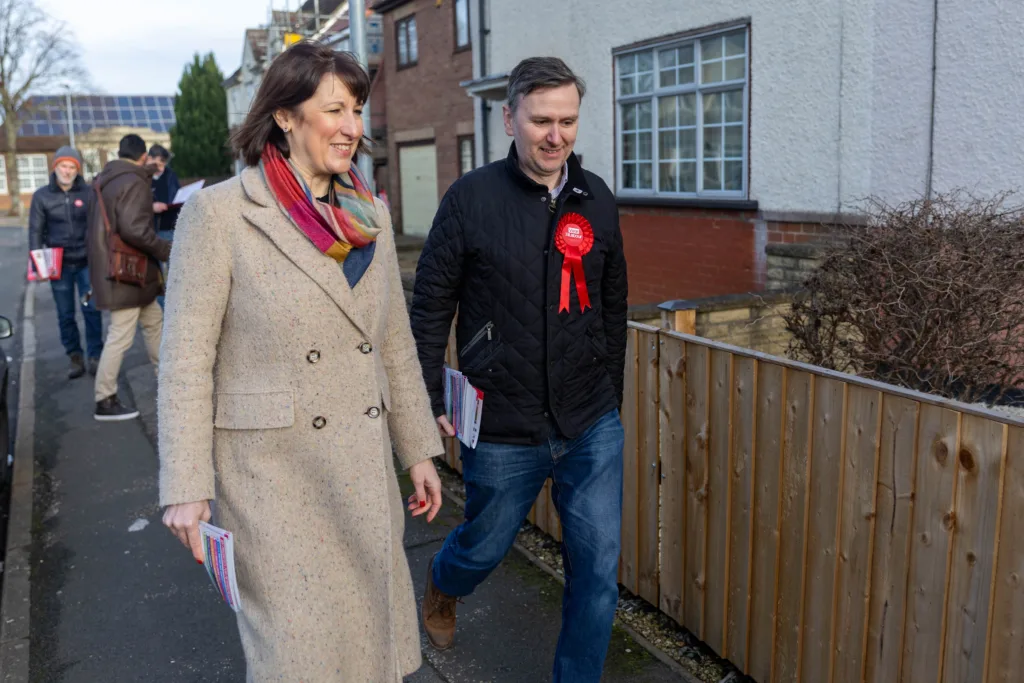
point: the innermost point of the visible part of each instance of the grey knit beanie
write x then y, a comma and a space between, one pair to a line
67, 153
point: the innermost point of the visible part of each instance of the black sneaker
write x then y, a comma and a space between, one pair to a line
94, 366
77, 368
111, 409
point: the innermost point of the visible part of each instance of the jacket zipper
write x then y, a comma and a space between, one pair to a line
67, 208
486, 331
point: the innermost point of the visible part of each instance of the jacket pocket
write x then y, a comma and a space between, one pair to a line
270, 410
482, 348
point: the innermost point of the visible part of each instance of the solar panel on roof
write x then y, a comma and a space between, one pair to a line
49, 114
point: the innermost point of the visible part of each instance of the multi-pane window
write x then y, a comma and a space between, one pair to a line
3, 175
466, 153
408, 51
682, 117
461, 24
33, 172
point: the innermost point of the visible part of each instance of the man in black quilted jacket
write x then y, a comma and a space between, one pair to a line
529, 252
59, 218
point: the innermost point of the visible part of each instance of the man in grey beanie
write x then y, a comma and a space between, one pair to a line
59, 218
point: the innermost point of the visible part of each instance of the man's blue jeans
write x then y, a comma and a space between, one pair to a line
502, 483
77, 276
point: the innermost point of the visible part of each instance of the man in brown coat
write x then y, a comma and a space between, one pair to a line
125, 184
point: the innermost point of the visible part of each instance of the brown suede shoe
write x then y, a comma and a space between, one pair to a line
438, 613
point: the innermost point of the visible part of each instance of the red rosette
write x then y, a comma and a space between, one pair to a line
574, 238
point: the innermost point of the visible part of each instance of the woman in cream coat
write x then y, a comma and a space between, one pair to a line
288, 371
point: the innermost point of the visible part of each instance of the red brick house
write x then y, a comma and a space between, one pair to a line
427, 53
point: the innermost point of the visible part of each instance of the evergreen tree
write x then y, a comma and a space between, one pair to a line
200, 135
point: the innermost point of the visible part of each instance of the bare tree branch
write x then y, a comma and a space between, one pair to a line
37, 54
928, 295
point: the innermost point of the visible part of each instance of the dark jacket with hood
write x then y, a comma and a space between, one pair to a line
60, 219
129, 202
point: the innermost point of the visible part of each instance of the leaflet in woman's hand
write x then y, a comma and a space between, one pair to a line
219, 560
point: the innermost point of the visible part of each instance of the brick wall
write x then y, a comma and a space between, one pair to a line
750, 321
789, 265
797, 233
686, 253
427, 95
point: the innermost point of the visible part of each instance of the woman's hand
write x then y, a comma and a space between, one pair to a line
183, 521
427, 498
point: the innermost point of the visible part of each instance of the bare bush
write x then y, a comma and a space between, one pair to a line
928, 296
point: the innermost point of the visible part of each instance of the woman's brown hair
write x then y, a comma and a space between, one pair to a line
293, 78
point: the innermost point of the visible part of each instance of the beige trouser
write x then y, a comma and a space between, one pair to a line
120, 336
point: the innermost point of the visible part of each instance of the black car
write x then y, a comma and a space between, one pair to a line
6, 330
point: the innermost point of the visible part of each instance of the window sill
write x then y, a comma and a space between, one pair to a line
403, 67
689, 203
464, 48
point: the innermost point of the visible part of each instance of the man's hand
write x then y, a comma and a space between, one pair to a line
445, 427
159, 207
183, 521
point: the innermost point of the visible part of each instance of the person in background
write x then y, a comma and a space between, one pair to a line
59, 218
165, 187
125, 187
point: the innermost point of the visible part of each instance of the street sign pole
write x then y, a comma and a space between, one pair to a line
357, 28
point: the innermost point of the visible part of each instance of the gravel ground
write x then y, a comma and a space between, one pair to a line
675, 641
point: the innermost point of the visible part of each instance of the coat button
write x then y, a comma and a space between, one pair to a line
313, 356
373, 412
366, 347
319, 422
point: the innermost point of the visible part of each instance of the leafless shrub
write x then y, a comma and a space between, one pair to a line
928, 296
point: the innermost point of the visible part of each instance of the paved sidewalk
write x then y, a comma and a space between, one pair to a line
110, 604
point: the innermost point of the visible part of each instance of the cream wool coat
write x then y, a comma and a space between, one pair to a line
281, 393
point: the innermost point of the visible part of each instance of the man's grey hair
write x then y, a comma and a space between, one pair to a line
537, 73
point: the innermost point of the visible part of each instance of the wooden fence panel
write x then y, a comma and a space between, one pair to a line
648, 476
629, 560
697, 406
814, 528
932, 523
789, 567
761, 602
979, 462
893, 537
821, 506
859, 478
741, 416
672, 434
1005, 660
718, 500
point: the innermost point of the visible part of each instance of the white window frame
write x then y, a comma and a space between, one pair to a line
696, 88
3, 174
469, 29
406, 27
23, 177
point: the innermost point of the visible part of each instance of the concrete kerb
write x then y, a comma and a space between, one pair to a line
651, 648
15, 606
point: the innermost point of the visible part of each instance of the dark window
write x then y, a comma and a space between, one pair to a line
467, 152
462, 40
408, 52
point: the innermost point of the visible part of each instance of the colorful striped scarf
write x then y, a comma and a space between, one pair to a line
344, 229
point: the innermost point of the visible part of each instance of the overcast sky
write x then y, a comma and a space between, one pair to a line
132, 47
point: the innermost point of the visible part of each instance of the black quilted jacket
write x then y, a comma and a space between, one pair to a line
490, 254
